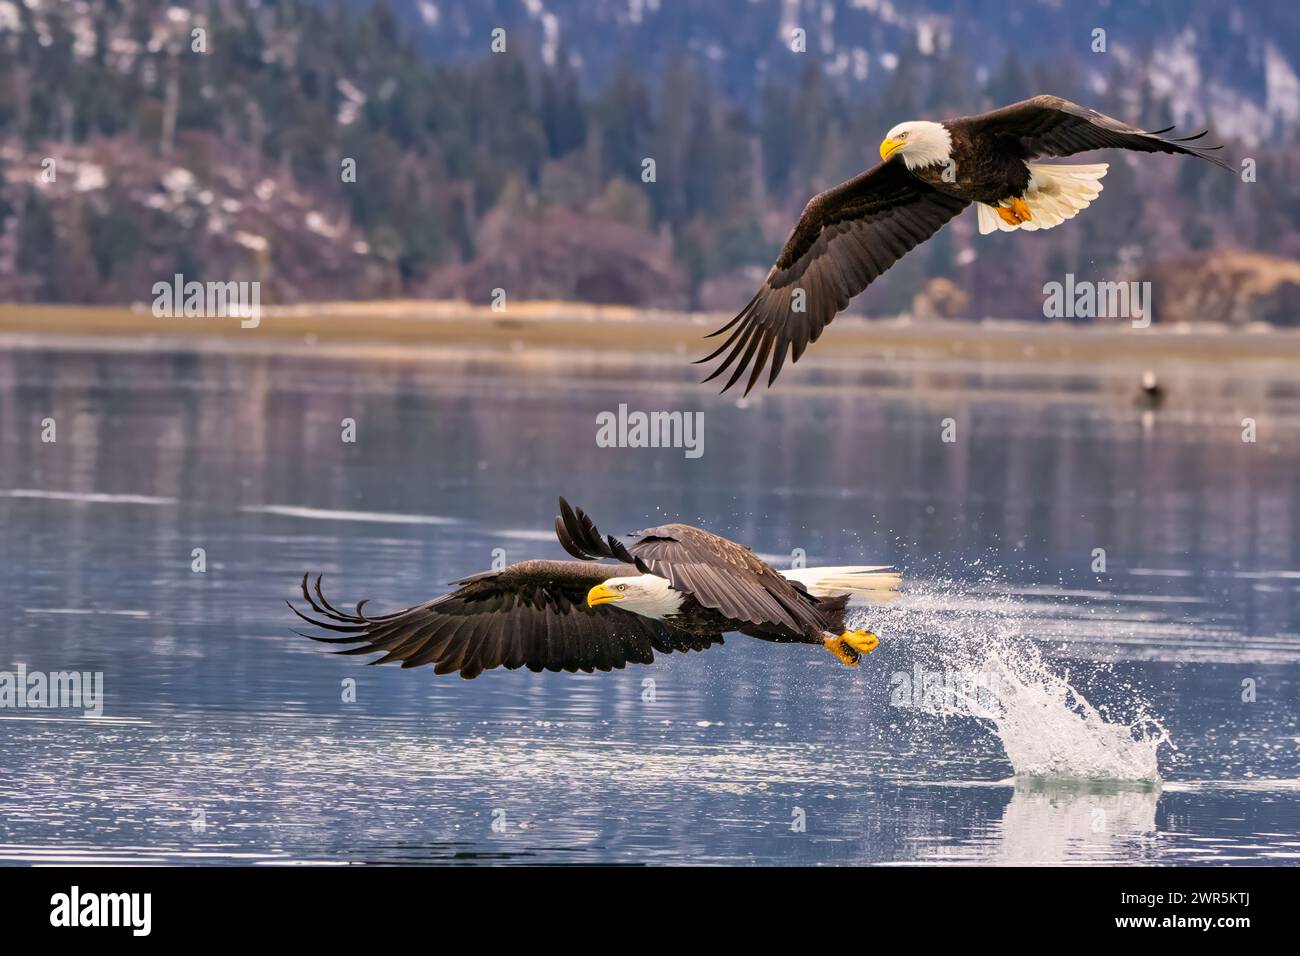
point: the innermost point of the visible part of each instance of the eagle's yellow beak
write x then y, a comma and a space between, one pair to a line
890, 146
602, 595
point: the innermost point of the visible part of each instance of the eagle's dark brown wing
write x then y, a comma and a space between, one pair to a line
846, 237
720, 574
1051, 126
533, 614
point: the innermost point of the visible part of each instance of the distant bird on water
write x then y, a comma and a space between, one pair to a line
1152, 393
929, 172
677, 588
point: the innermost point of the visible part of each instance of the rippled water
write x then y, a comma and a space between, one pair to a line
225, 737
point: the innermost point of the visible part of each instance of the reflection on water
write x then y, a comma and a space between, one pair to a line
225, 738
1046, 822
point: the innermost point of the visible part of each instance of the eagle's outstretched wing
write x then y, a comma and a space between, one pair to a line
1052, 126
846, 237
533, 614
720, 574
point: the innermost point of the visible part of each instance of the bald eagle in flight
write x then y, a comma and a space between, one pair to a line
929, 172
676, 588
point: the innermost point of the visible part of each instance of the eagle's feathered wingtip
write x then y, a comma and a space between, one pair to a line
578, 535
730, 341
739, 316
757, 347
571, 531
1198, 151
343, 623
754, 377
1215, 159
749, 386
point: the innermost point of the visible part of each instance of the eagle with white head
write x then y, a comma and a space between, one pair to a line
677, 588
929, 172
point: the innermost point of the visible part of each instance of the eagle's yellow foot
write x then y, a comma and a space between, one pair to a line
1016, 213
851, 645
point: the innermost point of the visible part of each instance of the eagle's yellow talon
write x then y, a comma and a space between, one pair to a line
1016, 213
864, 642
851, 645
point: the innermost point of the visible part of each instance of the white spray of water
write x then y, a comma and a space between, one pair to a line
972, 656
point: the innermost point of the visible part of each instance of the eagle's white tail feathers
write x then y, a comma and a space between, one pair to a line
1055, 194
874, 583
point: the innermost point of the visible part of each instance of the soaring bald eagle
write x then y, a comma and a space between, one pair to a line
677, 588
929, 172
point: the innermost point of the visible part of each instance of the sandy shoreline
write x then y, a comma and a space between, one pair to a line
412, 328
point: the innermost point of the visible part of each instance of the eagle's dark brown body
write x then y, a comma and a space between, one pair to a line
980, 171
695, 618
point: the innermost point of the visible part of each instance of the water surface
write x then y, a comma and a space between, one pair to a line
225, 738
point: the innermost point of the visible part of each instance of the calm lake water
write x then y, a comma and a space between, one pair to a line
1146, 714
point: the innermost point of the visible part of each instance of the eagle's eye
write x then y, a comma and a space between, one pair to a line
902, 135
622, 587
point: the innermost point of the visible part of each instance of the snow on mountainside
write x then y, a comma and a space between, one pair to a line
1220, 62
377, 149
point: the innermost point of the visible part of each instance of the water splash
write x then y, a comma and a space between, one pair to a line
972, 655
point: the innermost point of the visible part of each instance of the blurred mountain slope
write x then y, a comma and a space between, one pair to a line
651, 153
